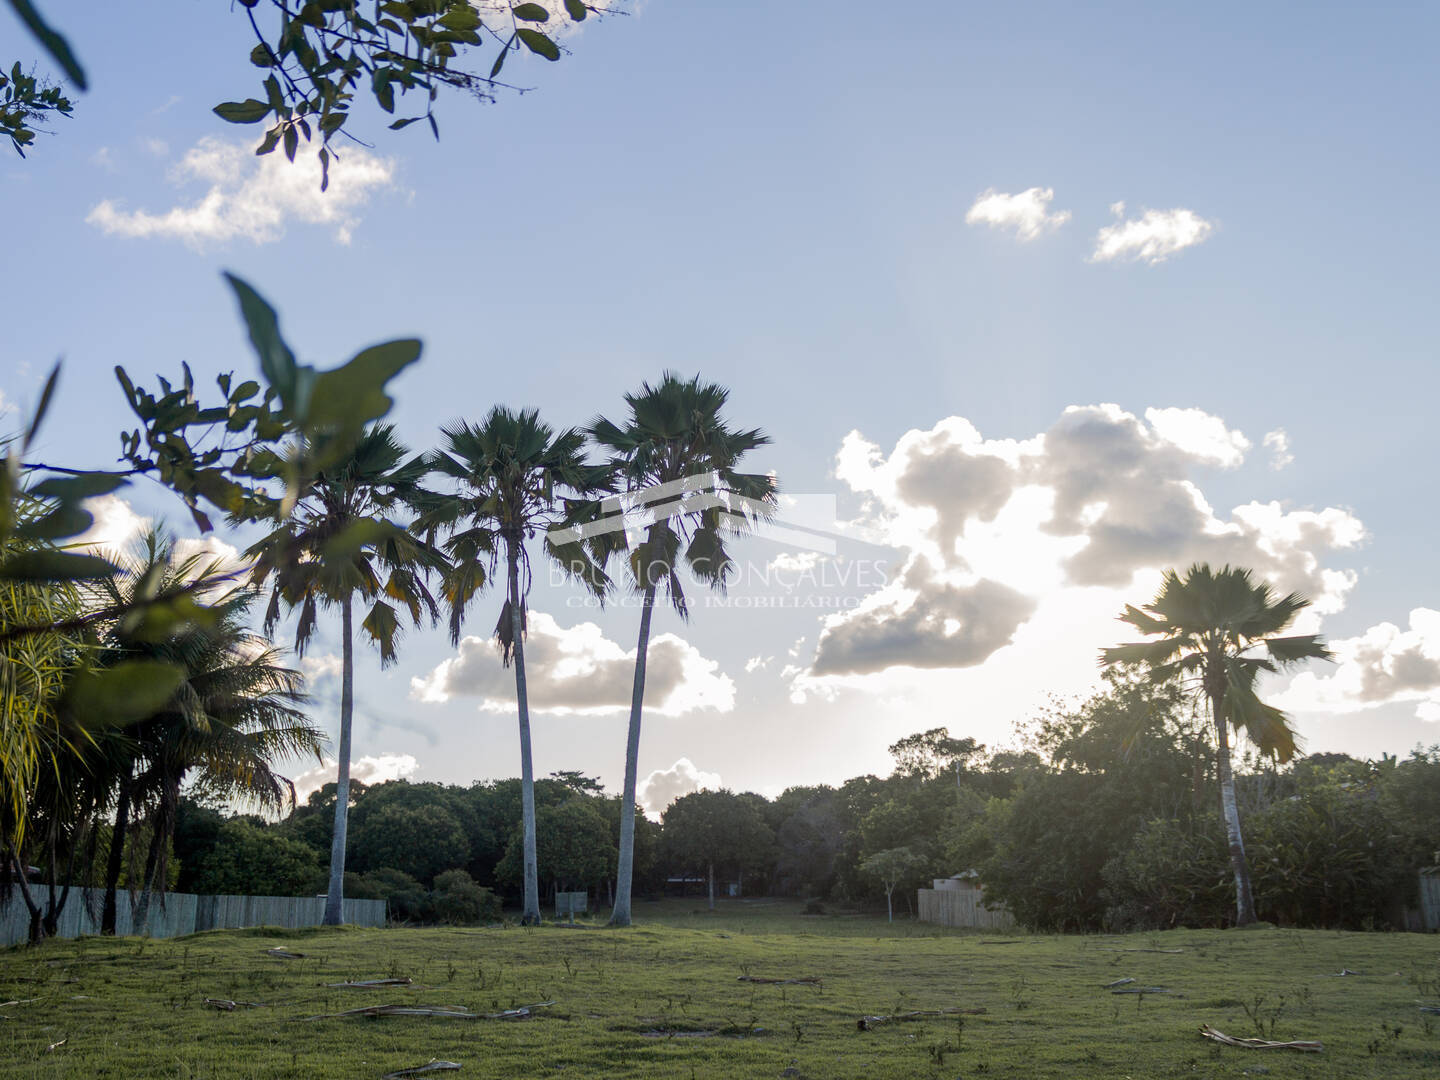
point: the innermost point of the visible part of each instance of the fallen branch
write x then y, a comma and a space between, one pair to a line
435, 1065
1430, 1008
366, 984
285, 954
1007, 941
1143, 990
452, 1012
1117, 982
870, 1023
809, 980
56, 1045
1343, 972
226, 1005
1306, 1046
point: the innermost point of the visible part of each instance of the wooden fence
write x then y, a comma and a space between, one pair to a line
175, 914
962, 907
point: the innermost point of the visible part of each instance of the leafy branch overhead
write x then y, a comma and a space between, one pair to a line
321, 55
26, 101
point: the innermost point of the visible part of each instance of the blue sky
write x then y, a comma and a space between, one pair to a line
777, 197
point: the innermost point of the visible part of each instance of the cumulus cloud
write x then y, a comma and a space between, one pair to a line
320, 666
370, 769
1383, 665
254, 198
663, 786
1066, 525
1278, 443
1153, 237
577, 670
1027, 212
937, 626
1202, 436
115, 528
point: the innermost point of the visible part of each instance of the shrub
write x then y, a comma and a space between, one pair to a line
458, 900
1174, 873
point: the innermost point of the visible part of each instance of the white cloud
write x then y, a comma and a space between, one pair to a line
102, 159
1028, 213
1010, 547
1383, 665
1153, 237
320, 666
253, 198
6, 405
1200, 435
157, 147
663, 786
577, 670
756, 663
370, 769
1278, 443
116, 527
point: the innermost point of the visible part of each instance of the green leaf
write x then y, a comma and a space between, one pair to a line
245, 391
261, 56
276, 360
55, 45
353, 394
292, 141
530, 13
50, 565
131, 690
43, 407
462, 18
64, 521
398, 124
75, 488
576, 10
248, 111
538, 43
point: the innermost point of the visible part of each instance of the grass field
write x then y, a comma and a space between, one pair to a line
664, 999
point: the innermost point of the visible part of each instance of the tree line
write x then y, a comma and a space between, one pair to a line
93, 651
1107, 818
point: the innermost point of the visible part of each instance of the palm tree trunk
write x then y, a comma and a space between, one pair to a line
335, 894
37, 928
620, 914
712, 886
117, 854
531, 913
890, 907
1244, 901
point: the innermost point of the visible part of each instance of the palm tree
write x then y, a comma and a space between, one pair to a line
235, 715
677, 458
514, 473
1211, 626
337, 545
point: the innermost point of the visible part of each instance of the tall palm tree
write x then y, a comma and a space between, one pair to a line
1216, 632
516, 477
676, 457
337, 545
233, 718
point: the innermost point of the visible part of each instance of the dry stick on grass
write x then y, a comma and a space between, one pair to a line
1304, 1045
1117, 982
366, 984
56, 1045
435, 1065
1143, 990
226, 1005
1430, 1008
809, 980
453, 1012
284, 954
870, 1023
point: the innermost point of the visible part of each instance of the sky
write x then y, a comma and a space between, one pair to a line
1034, 302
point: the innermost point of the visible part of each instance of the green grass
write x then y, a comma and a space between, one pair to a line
662, 1000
